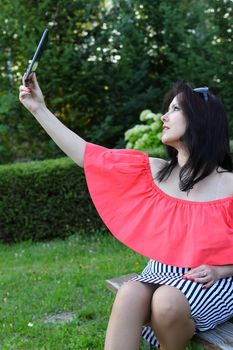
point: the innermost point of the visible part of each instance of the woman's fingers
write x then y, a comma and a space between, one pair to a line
208, 284
31, 95
34, 79
203, 274
24, 91
196, 273
31, 80
202, 279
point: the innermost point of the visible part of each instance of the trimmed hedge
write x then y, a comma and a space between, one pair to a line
43, 200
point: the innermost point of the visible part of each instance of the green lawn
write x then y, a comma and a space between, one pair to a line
43, 279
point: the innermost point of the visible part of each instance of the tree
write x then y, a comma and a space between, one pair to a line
106, 62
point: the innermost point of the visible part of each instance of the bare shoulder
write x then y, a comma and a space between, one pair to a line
230, 182
156, 164
227, 179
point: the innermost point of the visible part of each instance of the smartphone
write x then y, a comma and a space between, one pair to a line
34, 62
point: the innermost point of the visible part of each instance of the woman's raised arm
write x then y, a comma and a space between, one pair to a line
70, 143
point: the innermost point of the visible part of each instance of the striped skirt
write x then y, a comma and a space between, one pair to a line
209, 307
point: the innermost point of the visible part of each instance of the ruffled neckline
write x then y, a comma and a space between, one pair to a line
157, 189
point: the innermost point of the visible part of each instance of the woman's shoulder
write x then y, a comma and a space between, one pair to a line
227, 181
156, 164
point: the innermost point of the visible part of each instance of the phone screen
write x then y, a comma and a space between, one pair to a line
34, 62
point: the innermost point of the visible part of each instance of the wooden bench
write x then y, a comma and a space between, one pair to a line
220, 338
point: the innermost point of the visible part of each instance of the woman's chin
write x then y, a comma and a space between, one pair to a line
165, 140
168, 141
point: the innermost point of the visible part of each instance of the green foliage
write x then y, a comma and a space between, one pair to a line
106, 61
43, 200
231, 146
8, 127
147, 137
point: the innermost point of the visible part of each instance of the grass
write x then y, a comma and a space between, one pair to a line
43, 279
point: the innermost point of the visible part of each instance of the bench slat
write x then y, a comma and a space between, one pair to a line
220, 338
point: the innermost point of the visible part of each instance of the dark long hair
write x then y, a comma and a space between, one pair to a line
206, 137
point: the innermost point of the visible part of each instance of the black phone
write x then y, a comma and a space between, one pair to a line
34, 62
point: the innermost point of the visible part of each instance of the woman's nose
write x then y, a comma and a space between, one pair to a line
164, 117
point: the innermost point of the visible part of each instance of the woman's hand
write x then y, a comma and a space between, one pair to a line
30, 94
205, 274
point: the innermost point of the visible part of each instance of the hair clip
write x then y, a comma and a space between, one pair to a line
204, 91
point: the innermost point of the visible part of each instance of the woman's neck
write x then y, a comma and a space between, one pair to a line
182, 157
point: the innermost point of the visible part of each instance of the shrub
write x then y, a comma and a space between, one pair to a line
147, 137
43, 200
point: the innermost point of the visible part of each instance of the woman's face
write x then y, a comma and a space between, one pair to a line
174, 124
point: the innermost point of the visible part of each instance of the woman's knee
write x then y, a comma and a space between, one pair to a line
135, 296
169, 306
132, 291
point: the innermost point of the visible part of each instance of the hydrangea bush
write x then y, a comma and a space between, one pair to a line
147, 135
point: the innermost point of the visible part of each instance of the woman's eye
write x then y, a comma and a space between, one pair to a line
174, 108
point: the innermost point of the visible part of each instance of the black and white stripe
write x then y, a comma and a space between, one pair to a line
209, 307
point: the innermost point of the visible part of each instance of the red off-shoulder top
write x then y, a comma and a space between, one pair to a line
170, 230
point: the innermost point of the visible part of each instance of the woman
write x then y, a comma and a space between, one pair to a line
179, 213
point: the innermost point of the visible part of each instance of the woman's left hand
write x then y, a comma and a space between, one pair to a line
205, 274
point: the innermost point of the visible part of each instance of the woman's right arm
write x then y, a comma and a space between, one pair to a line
70, 143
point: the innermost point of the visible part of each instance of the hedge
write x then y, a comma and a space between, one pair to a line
43, 200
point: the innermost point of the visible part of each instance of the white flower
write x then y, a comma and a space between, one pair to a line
30, 324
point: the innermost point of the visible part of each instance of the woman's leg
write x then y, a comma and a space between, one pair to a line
171, 318
131, 310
